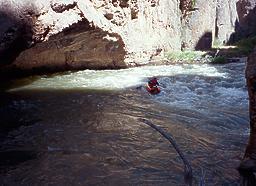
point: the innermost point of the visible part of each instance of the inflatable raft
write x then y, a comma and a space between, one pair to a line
153, 90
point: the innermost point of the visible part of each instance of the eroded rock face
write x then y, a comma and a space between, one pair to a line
146, 28
73, 49
198, 25
216, 22
246, 26
226, 21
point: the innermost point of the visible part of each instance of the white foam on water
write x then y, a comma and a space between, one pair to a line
118, 79
225, 90
197, 87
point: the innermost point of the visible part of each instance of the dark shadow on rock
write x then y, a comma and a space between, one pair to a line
205, 42
78, 47
245, 26
15, 36
247, 167
247, 178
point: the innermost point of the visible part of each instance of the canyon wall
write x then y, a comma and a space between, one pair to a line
132, 32
226, 20
246, 26
198, 25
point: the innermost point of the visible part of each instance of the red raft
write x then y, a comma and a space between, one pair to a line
153, 90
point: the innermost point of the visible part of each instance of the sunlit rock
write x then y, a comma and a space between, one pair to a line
226, 21
198, 24
147, 29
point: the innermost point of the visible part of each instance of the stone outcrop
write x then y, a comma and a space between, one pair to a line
146, 27
251, 84
247, 167
90, 49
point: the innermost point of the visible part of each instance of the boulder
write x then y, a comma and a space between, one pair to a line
74, 49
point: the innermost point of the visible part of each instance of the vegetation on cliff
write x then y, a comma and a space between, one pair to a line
246, 46
217, 54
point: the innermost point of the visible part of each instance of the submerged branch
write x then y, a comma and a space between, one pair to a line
188, 175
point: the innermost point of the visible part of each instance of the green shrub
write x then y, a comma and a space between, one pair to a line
219, 59
185, 56
245, 46
193, 3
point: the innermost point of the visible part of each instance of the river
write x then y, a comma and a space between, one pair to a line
84, 128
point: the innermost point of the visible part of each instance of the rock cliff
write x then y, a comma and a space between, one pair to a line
246, 26
226, 20
248, 165
198, 25
135, 31
93, 49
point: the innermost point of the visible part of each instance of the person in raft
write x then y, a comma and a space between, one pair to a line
152, 86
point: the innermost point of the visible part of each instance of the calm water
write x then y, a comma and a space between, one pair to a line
83, 128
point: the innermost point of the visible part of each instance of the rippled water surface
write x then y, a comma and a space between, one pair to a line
84, 128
